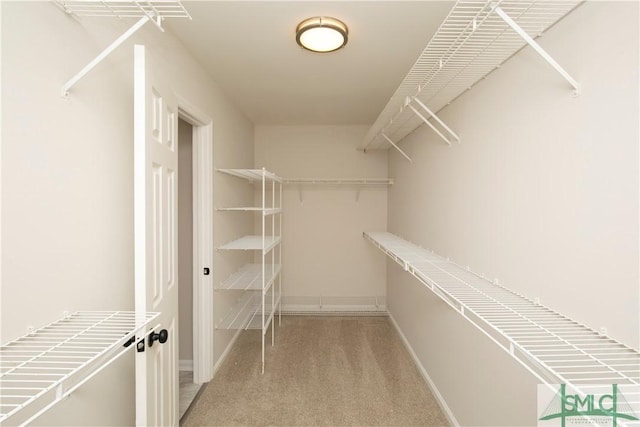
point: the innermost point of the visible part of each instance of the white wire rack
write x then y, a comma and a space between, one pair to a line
476, 38
126, 8
358, 183
553, 347
145, 10
252, 175
265, 212
40, 369
248, 312
257, 308
247, 243
249, 277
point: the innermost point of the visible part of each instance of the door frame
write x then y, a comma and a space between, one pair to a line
202, 161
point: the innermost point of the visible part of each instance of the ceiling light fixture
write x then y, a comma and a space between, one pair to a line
322, 34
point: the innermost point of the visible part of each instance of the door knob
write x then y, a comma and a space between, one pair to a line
162, 337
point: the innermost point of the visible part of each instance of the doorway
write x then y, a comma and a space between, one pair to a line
188, 388
195, 253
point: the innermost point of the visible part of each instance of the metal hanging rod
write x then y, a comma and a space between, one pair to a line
147, 11
473, 40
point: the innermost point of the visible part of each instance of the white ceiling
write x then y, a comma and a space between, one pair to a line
249, 49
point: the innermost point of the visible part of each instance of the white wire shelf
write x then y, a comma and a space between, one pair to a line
126, 8
339, 181
265, 211
249, 277
358, 183
553, 347
472, 41
269, 314
241, 313
248, 243
252, 175
247, 313
39, 369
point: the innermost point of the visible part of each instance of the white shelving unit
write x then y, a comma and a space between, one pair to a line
40, 369
475, 38
553, 347
261, 281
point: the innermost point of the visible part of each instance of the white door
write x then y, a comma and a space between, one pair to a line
156, 287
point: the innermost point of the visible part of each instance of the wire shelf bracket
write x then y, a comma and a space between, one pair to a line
154, 11
531, 42
394, 146
435, 117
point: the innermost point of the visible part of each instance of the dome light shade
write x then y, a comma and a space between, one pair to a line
322, 34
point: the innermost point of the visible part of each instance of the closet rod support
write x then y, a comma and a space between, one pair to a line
91, 65
396, 147
531, 42
424, 119
436, 118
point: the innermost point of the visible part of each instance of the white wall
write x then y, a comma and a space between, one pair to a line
542, 193
67, 180
324, 254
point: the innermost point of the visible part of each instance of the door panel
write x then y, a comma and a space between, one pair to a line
156, 287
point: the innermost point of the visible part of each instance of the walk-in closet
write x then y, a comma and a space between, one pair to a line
343, 213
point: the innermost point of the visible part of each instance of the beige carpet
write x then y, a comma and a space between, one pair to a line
323, 371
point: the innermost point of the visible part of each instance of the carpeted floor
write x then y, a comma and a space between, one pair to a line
323, 371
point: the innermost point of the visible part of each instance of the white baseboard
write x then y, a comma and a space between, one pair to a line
185, 365
327, 305
344, 310
443, 405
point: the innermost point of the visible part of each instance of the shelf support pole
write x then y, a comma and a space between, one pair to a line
531, 42
91, 65
396, 147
